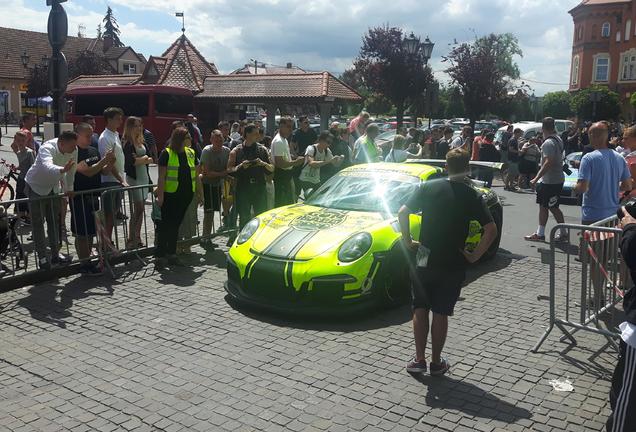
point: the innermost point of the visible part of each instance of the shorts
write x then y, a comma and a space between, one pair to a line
82, 217
211, 198
527, 167
548, 194
111, 202
513, 169
437, 289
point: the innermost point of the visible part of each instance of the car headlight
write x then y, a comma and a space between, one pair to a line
354, 247
248, 231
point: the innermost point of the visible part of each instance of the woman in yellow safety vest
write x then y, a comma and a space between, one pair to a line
177, 184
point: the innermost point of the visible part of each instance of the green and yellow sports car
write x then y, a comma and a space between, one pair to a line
340, 249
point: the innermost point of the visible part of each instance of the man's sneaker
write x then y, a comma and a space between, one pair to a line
161, 264
90, 270
175, 261
441, 368
44, 264
415, 366
535, 238
61, 259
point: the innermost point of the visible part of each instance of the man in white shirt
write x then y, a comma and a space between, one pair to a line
54, 165
317, 156
283, 164
114, 177
462, 140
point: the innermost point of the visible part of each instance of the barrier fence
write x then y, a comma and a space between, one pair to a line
79, 227
588, 284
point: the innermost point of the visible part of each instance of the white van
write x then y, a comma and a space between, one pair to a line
530, 129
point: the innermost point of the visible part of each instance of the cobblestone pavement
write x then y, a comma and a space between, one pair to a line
153, 352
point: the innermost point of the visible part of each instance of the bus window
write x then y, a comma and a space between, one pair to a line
95, 104
173, 103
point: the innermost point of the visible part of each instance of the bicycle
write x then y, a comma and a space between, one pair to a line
7, 191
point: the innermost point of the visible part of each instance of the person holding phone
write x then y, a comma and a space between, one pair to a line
250, 162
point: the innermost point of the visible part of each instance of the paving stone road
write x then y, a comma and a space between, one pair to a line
153, 352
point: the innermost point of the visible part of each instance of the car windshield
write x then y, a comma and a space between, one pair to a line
574, 157
365, 191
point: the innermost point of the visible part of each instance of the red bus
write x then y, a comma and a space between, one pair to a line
157, 105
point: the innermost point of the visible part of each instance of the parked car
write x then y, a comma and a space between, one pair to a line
530, 130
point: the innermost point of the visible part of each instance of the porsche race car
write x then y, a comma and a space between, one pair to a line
340, 249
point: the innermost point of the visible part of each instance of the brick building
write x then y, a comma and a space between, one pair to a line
604, 48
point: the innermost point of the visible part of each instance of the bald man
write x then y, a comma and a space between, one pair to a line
602, 174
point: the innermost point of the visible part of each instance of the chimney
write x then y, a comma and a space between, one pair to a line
107, 43
289, 65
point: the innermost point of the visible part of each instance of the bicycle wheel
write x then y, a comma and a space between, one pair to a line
7, 193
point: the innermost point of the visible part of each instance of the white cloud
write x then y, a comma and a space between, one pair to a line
322, 34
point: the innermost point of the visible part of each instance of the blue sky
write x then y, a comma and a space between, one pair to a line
321, 34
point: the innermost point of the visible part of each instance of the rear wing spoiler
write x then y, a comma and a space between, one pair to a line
498, 166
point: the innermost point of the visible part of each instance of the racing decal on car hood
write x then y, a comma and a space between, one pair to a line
303, 232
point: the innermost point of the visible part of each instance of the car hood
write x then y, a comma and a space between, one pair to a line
571, 179
302, 232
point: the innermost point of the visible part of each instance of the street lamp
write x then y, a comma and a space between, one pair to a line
533, 103
24, 58
595, 97
412, 46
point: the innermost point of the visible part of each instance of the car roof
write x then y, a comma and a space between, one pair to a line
420, 171
524, 126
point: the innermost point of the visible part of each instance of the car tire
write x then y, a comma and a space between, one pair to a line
497, 216
393, 283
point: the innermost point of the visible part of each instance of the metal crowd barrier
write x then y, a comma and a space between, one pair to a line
589, 283
19, 263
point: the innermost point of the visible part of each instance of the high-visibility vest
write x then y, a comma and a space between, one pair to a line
172, 175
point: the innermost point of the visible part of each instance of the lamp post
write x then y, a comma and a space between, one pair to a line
595, 97
414, 47
533, 103
24, 58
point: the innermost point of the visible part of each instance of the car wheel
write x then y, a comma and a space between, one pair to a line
393, 283
497, 216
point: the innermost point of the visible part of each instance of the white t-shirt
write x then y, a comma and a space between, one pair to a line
110, 140
311, 174
397, 155
280, 147
456, 143
44, 176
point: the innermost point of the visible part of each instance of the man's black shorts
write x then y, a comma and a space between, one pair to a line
437, 289
548, 194
211, 198
82, 218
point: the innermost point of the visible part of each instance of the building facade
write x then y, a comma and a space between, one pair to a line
604, 48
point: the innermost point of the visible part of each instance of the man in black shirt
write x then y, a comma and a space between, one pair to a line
512, 174
338, 147
250, 162
447, 208
303, 137
443, 145
87, 177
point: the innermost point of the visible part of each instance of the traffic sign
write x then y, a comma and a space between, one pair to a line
58, 73
57, 26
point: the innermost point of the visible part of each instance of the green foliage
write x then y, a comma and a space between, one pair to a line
88, 63
557, 105
484, 71
111, 28
384, 68
607, 108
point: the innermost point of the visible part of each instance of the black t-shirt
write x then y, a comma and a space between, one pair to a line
441, 149
253, 174
513, 150
185, 181
90, 155
304, 139
447, 208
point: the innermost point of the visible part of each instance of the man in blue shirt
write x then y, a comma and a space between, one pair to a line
602, 174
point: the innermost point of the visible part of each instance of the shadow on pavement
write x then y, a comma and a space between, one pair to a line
450, 393
503, 259
374, 318
43, 305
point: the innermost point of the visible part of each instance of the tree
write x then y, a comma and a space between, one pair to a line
99, 32
386, 69
484, 71
557, 105
38, 82
111, 28
88, 63
607, 108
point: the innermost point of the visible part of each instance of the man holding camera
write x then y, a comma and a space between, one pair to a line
623, 390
